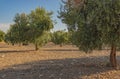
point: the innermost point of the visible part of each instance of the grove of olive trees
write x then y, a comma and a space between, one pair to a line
28, 28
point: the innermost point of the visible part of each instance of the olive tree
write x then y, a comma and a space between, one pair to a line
95, 23
39, 21
17, 31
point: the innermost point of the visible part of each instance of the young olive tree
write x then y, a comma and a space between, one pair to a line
40, 22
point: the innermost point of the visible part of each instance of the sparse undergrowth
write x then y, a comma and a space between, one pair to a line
54, 62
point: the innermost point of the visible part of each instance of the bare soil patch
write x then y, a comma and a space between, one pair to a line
54, 62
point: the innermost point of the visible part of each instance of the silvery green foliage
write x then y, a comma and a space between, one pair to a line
60, 37
94, 23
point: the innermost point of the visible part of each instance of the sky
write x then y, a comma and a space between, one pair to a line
9, 8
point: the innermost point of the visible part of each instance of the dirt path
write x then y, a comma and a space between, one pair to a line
54, 62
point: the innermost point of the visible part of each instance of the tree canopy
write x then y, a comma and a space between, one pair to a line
94, 22
40, 21
17, 31
60, 37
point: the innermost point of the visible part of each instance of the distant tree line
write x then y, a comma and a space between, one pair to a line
34, 28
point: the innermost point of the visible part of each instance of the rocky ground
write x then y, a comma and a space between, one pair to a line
54, 62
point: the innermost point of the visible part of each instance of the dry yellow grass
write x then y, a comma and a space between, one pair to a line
54, 62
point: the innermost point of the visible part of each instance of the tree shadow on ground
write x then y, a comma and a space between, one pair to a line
71, 68
61, 49
15, 51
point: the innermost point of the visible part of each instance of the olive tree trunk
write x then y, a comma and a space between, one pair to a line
36, 46
113, 60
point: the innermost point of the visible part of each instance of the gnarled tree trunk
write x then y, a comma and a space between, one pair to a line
113, 60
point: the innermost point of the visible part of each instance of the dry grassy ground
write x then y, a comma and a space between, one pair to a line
54, 62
